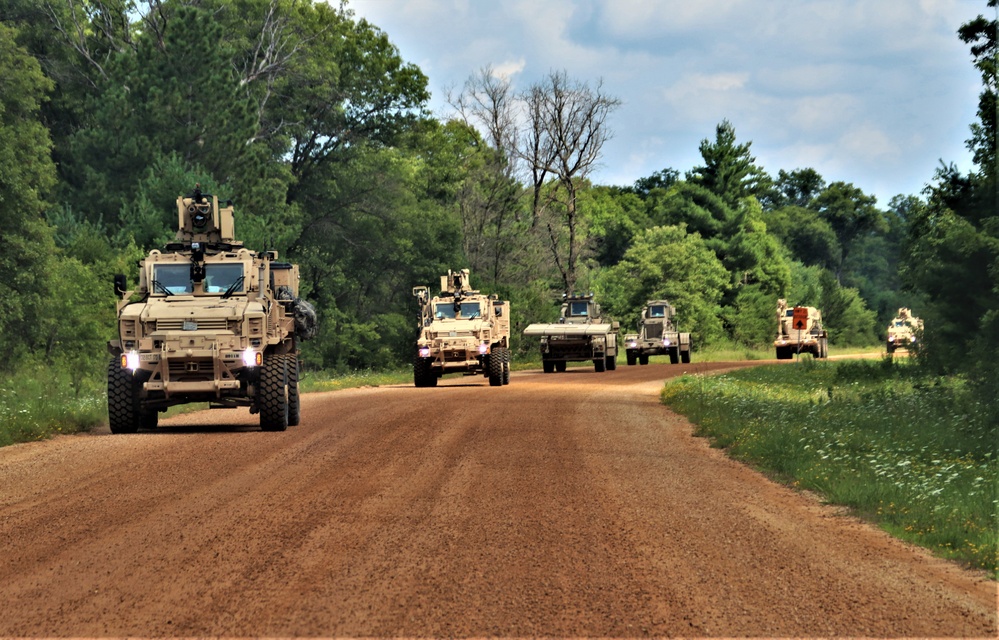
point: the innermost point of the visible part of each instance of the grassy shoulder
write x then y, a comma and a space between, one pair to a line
910, 452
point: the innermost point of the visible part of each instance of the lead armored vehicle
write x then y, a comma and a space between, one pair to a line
799, 330
209, 321
581, 334
657, 336
461, 330
903, 331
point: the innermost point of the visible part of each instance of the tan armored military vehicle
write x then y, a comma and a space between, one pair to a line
903, 331
657, 336
581, 334
210, 321
461, 330
799, 330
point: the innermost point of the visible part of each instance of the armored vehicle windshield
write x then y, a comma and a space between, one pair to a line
579, 308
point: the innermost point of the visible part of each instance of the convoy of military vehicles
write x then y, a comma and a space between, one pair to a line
210, 321
213, 321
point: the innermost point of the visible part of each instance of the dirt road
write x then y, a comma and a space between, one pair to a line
561, 505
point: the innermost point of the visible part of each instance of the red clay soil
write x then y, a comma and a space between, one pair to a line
568, 504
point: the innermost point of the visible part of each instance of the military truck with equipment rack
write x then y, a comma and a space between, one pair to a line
799, 330
581, 334
657, 336
461, 330
210, 321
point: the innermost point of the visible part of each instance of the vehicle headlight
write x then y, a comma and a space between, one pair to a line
130, 360
665, 342
483, 348
424, 352
912, 338
252, 358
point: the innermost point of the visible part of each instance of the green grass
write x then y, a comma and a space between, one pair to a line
911, 452
39, 403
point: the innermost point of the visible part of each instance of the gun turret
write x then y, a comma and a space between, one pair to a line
456, 283
201, 220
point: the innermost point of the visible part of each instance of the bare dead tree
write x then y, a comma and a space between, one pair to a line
488, 203
487, 102
565, 133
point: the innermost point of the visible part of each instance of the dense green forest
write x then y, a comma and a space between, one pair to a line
316, 128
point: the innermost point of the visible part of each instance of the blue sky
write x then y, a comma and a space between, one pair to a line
873, 92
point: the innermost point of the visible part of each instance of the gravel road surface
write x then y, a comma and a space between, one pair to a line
568, 504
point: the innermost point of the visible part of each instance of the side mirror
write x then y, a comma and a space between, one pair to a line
120, 285
615, 325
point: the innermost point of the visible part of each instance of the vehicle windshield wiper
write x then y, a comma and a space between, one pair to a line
233, 287
159, 286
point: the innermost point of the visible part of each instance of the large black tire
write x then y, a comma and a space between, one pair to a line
632, 358
784, 353
643, 359
507, 358
599, 365
423, 374
123, 399
495, 367
611, 363
548, 366
561, 366
273, 391
674, 355
685, 357
294, 398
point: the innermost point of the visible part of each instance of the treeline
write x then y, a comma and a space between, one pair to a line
312, 123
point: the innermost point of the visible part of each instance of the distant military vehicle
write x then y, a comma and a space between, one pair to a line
657, 336
581, 334
461, 330
904, 331
210, 321
799, 330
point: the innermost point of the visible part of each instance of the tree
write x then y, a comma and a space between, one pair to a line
567, 131
27, 174
795, 188
807, 236
667, 262
952, 248
489, 200
729, 171
851, 213
980, 33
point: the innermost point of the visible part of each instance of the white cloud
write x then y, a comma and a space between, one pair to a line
508, 69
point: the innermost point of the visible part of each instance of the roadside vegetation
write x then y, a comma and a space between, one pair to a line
40, 403
913, 452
